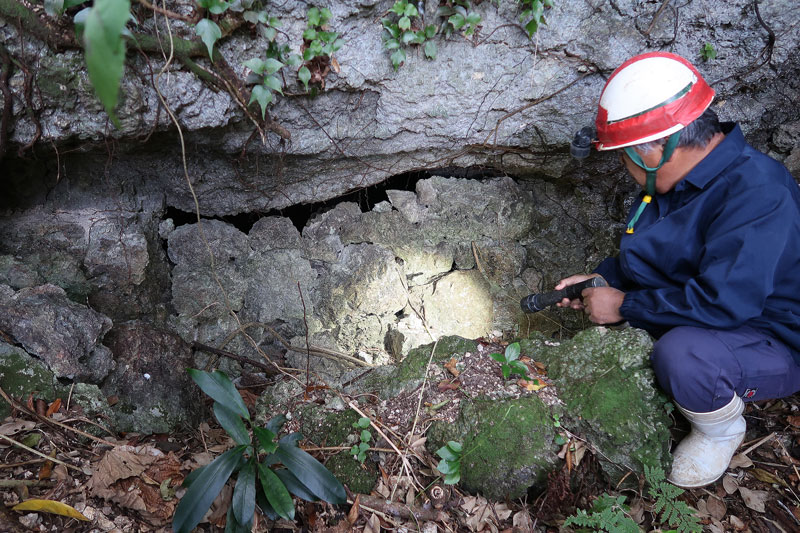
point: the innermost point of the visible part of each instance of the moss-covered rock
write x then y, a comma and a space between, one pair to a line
508, 445
359, 478
604, 378
22, 374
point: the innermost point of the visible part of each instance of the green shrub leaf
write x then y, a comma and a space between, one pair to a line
454, 446
263, 96
276, 493
404, 23
204, 489
304, 75
232, 423
273, 83
256, 65
105, 50
512, 352
210, 33
453, 478
217, 385
294, 486
447, 454
244, 493
311, 473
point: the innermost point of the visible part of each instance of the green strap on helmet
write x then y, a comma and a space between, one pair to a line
650, 184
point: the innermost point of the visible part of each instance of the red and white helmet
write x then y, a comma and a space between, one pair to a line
648, 97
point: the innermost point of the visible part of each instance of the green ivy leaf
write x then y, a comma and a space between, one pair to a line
398, 57
217, 385
244, 493
210, 33
231, 423
453, 478
366, 436
391, 44
399, 8
313, 17
430, 50
454, 446
294, 60
252, 17
273, 83
457, 21
216, 7
445, 467
310, 34
105, 50
269, 33
311, 473
271, 66
256, 65
304, 75
263, 96
474, 19
404, 23
411, 11
409, 37
447, 454
430, 31
204, 489
276, 493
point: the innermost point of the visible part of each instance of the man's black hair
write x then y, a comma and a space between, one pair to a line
696, 135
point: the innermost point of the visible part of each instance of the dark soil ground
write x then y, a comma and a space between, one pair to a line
131, 483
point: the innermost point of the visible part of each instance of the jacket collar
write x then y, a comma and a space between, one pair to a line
718, 160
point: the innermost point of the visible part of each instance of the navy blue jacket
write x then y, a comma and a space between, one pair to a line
721, 250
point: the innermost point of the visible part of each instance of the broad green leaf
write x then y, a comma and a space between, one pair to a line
276, 493
210, 33
337, 44
411, 10
447, 454
445, 467
532, 26
273, 83
362, 423
233, 526
366, 436
409, 37
404, 23
304, 75
49, 506
232, 423
263, 96
264, 505
243, 501
204, 489
362, 447
512, 351
313, 17
458, 20
271, 66
310, 34
54, 8
474, 19
105, 50
217, 7
217, 385
391, 44
275, 22
253, 17
72, 3
452, 479
291, 439
256, 65
398, 57
324, 15
399, 7
308, 54
294, 486
506, 370
311, 473
193, 475
266, 439
500, 358
294, 60
454, 446
392, 28
269, 33
430, 31
445, 11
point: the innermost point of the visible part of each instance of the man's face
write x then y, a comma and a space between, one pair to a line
650, 159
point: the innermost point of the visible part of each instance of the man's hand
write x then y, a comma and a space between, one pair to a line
576, 304
602, 304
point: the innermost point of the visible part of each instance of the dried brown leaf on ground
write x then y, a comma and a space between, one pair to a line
131, 476
451, 367
373, 525
716, 507
740, 461
10, 429
754, 499
522, 522
482, 515
730, 484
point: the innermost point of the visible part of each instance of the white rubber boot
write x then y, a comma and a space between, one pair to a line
704, 455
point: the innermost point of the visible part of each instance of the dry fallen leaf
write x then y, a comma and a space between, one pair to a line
754, 499
531, 385
736, 523
716, 507
730, 484
762, 475
451, 367
448, 385
373, 524
335, 65
352, 515
12, 428
55, 406
740, 461
522, 522
794, 420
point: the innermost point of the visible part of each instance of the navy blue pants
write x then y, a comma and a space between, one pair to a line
702, 368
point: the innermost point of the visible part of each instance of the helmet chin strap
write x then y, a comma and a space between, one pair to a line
650, 183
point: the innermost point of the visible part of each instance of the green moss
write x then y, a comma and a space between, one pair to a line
508, 445
326, 428
415, 363
358, 478
22, 374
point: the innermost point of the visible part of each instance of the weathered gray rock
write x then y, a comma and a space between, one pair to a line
65, 335
22, 374
155, 393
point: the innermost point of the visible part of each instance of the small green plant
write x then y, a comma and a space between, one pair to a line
450, 465
402, 28
669, 509
206, 28
607, 514
259, 480
708, 52
533, 14
559, 439
319, 44
510, 363
359, 451
459, 16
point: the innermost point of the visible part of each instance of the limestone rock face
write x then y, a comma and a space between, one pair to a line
65, 335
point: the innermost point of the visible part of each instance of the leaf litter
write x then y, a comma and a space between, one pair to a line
133, 483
